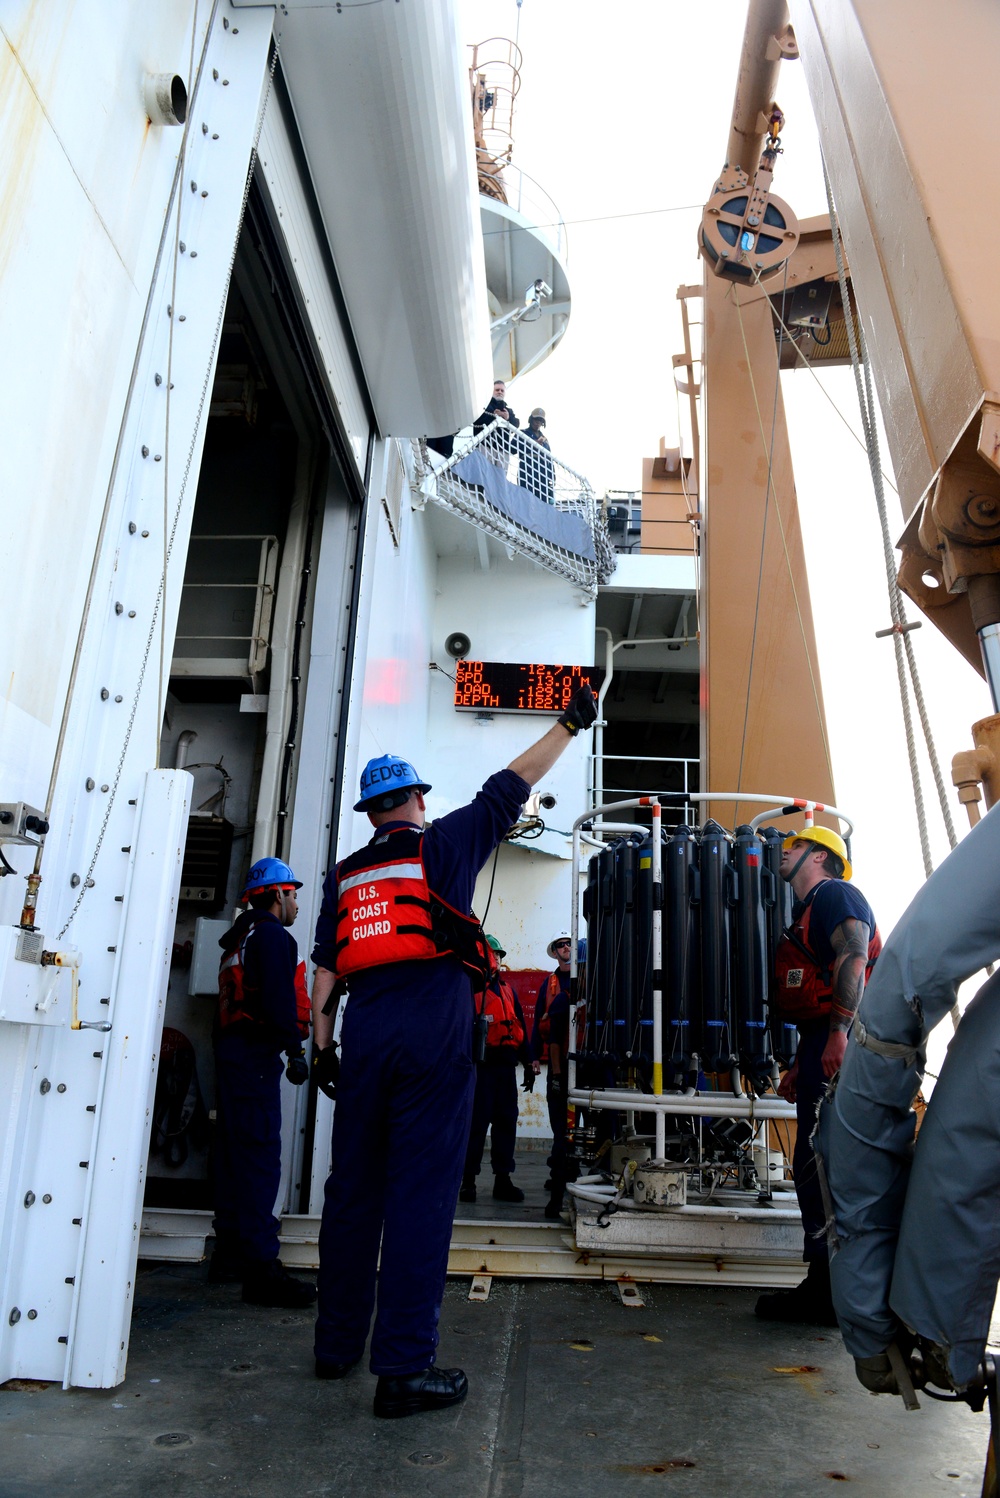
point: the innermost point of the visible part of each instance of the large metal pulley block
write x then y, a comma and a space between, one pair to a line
746, 234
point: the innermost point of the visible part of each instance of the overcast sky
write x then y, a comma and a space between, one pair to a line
623, 117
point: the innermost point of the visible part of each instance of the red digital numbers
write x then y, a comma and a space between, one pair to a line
505, 687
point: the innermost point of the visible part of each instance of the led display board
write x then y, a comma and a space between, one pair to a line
505, 687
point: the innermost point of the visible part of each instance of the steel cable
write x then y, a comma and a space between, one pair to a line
906, 665
895, 607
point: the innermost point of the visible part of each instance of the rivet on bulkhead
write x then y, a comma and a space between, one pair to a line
132, 527
105, 694
157, 379
119, 608
145, 451
89, 784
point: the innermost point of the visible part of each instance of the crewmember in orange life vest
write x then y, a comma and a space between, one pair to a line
551, 1028
553, 992
263, 1010
494, 1106
821, 968
396, 924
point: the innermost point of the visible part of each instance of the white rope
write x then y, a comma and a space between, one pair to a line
911, 659
903, 647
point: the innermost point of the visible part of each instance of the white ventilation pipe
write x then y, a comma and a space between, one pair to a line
184, 742
165, 98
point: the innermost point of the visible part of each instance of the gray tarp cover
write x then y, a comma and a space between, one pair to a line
944, 1281
950, 931
570, 532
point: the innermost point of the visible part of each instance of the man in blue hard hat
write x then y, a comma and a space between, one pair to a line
263, 1010
396, 927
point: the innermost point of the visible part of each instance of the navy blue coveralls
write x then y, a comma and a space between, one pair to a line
248, 1071
494, 1106
401, 1121
554, 1005
835, 901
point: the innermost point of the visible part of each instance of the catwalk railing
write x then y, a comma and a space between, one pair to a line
514, 488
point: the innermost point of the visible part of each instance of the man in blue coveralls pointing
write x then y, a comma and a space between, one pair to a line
395, 926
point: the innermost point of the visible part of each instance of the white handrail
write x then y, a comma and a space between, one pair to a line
531, 472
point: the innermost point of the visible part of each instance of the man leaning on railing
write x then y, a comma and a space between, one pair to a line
535, 471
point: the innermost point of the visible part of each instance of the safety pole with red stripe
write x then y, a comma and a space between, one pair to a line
656, 869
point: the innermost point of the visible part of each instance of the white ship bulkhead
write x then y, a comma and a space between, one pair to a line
225, 595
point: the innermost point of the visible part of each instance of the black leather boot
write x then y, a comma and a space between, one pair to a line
810, 1303
504, 1189
430, 1389
271, 1285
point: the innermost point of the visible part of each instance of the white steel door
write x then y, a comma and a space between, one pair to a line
75, 1103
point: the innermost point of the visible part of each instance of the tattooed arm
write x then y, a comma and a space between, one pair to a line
850, 948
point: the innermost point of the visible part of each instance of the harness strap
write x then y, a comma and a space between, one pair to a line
825, 973
904, 1382
892, 1050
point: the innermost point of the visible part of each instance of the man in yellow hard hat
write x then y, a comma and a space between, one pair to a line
821, 967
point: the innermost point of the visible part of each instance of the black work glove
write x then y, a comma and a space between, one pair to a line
326, 1070
581, 712
528, 1085
297, 1070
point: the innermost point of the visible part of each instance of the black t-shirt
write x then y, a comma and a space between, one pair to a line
834, 902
